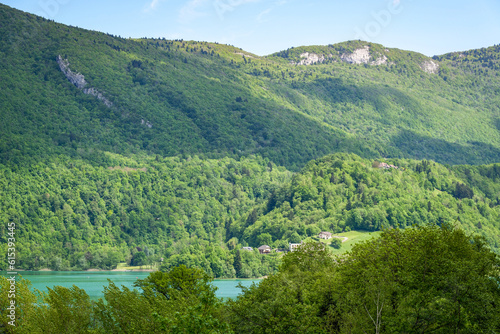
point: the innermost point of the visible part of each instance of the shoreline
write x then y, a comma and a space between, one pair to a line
94, 270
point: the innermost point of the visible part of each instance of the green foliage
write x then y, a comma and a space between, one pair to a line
344, 192
288, 301
25, 309
63, 310
423, 279
180, 301
138, 259
83, 217
87, 182
172, 97
336, 243
237, 264
187, 301
179, 284
178, 209
118, 312
426, 279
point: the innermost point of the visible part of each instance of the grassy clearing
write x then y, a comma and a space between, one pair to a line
123, 266
354, 237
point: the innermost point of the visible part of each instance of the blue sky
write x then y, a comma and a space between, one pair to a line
266, 26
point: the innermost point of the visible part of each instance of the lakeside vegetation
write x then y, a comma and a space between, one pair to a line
426, 279
195, 149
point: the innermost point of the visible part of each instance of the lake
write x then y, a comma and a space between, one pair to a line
92, 282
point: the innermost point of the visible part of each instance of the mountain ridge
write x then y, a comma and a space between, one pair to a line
206, 98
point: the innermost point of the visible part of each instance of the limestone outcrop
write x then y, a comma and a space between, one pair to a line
310, 58
430, 66
78, 80
362, 56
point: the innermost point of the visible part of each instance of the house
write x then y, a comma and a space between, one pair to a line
264, 249
386, 166
294, 246
325, 235
247, 248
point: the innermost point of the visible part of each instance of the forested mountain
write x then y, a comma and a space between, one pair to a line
171, 97
115, 149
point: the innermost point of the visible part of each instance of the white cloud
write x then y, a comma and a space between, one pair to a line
396, 2
223, 6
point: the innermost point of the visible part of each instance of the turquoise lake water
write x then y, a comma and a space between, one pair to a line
93, 282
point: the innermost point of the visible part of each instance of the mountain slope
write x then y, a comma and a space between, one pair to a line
168, 98
173, 97
198, 212
343, 192
116, 149
413, 105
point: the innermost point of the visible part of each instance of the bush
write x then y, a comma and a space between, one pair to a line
336, 243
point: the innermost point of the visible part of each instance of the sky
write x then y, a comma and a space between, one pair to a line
263, 27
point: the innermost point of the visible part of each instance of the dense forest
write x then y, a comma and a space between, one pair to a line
427, 279
197, 212
173, 152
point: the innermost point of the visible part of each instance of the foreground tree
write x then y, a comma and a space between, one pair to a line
289, 301
25, 310
428, 279
181, 300
62, 310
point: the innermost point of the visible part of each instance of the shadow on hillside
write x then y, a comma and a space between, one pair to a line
416, 146
497, 124
381, 97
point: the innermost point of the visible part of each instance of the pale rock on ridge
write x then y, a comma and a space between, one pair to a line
78, 80
362, 56
430, 67
310, 58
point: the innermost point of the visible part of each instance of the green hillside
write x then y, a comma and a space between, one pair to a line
344, 192
172, 97
199, 212
168, 98
137, 150
71, 215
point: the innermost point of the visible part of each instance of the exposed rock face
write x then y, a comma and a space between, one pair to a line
310, 58
359, 56
430, 66
379, 61
78, 80
362, 56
